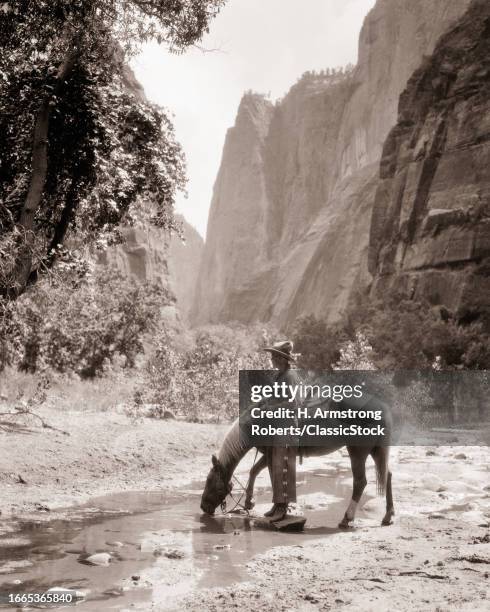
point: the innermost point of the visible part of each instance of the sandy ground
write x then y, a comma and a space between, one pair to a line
104, 452
435, 557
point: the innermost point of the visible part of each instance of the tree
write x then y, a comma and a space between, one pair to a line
355, 354
318, 343
103, 317
201, 380
79, 151
392, 333
411, 334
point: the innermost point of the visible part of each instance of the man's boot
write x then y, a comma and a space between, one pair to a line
271, 511
279, 513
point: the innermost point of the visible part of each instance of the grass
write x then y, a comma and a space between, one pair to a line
68, 393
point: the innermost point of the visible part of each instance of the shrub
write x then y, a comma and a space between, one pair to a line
392, 334
318, 343
80, 330
200, 381
356, 354
409, 334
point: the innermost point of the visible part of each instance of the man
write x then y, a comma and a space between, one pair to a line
281, 460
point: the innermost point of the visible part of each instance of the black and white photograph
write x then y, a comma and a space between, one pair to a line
245, 305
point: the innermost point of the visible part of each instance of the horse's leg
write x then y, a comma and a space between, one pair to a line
254, 472
358, 456
380, 455
390, 510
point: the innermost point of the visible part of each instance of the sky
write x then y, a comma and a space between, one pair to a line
262, 45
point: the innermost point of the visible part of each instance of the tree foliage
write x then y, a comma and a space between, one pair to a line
80, 331
411, 334
200, 380
392, 333
318, 343
79, 149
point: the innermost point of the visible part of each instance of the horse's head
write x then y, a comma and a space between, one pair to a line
217, 487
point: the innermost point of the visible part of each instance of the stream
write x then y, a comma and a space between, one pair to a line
161, 546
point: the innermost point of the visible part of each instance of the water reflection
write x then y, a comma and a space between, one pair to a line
158, 545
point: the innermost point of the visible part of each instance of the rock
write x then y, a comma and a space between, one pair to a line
185, 255
150, 254
76, 595
42, 507
430, 228
460, 456
436, 515
135, 578
312, 598
115, 592
13, 566
98, 559
288, 523
433, 483
221, 547
288, 229
170, 553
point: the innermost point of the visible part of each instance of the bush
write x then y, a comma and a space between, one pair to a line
392, 334
318, 343
200, 381
408, 334
81, 330
356, 354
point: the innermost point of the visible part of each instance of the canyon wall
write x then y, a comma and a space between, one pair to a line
149, 254
184, 259
288, 231
430, 231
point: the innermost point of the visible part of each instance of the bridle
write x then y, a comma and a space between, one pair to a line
238, 502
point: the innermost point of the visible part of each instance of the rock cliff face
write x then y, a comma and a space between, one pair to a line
149, 254
430, 232
143, 254
184, 259
288, 230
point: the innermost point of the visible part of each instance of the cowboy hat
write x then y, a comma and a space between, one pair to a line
283, 349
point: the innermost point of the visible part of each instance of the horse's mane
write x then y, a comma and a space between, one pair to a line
233, 448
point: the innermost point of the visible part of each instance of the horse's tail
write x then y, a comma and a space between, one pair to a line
380, 455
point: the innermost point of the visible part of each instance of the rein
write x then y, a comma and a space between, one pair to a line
238, 503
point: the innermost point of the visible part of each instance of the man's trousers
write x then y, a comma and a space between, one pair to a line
281, 461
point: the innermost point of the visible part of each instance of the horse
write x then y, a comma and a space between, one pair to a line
234, 448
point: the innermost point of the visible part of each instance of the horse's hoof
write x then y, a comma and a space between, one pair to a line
345, 525
249, 504
388, 520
